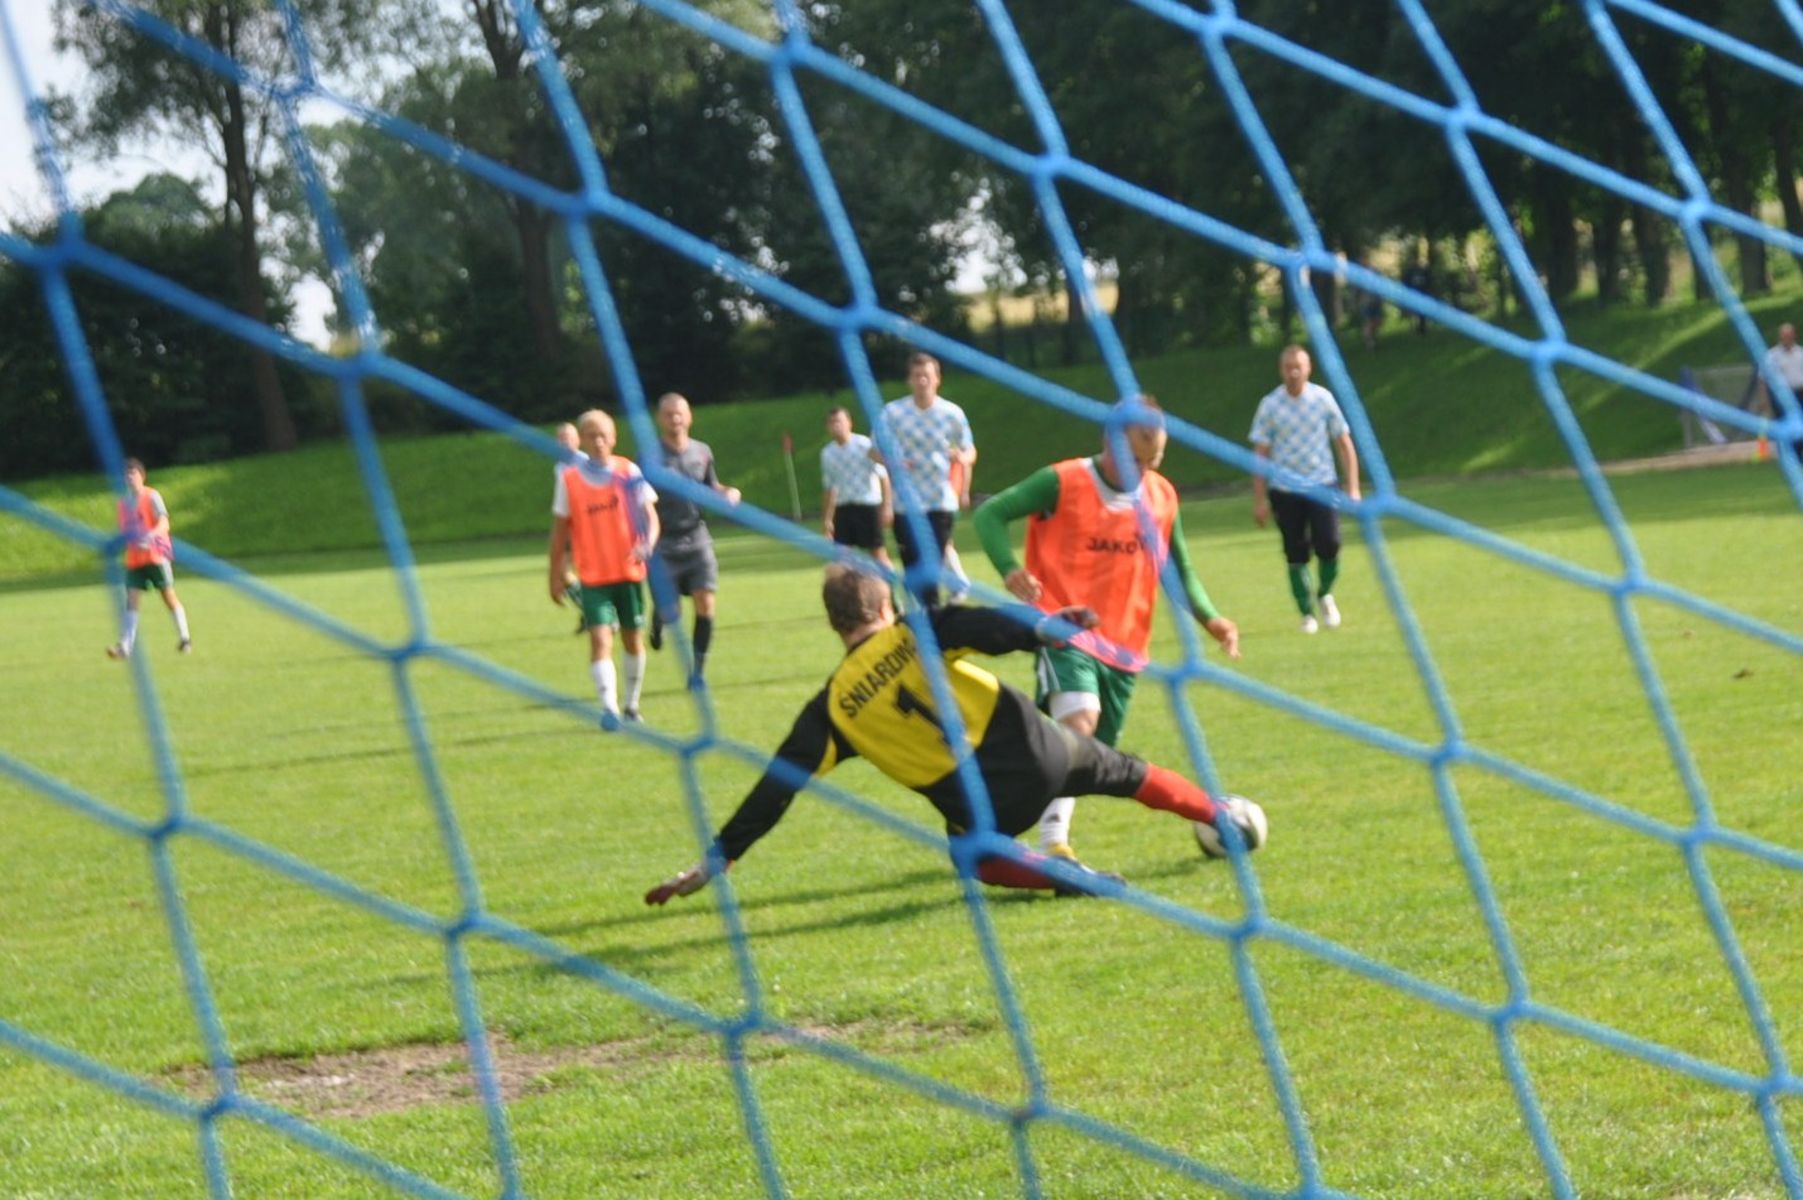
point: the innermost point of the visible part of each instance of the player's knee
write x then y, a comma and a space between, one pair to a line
1079, 712
1084, 723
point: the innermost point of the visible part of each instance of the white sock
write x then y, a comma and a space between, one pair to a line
1055, 823
181, 621
603, 673
128, 631
635, 677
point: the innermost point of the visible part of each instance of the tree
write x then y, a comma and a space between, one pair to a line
170, 383
141, 89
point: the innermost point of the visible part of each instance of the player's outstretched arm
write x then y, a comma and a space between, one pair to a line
1261, 500
1002, 630
1349, 464
1038, 492
654, 529
1222, 630
558, 551
812, 748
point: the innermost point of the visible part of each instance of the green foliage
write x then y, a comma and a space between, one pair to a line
178, 390
859, 935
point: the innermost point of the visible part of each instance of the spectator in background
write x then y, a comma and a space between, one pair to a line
1371, 317
1785, 361
1417, 277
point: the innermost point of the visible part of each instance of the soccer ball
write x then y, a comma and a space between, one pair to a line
1242, 812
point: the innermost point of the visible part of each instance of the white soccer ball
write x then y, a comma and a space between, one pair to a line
1242, 812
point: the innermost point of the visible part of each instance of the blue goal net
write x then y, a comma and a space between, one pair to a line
1047, 168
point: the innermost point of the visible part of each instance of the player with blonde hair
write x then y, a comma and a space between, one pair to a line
604, 516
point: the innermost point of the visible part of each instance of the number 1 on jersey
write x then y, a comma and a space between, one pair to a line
908, 704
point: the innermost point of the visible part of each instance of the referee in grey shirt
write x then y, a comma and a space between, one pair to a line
687, 548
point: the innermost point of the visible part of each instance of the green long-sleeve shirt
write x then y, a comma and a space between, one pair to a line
1038, 493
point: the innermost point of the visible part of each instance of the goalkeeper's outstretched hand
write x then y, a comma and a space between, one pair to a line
1075, 614
686, 884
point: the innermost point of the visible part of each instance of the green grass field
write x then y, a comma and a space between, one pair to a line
859, 934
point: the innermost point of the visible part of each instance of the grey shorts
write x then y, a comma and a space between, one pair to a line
691, 563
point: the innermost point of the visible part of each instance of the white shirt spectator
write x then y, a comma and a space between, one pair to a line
1300, 430
848, 471
926, 438
1788, 364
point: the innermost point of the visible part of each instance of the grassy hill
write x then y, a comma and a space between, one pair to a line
1440, 405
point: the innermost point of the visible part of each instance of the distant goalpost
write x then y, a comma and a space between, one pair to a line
1732, 384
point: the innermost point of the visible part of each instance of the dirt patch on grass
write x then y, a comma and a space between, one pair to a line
388, 1079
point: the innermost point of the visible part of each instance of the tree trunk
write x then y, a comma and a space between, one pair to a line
1245, 300
533, 227
1784, 159
1737, 186
1073, 321
1555, 232
241, 195
1651, 245
1699, 275
1127, 324
1605, 241
1326, 285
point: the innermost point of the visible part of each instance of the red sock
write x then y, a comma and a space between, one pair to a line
1005, 872
1167, 790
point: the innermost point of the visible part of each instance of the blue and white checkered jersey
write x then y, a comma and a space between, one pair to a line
926, 438
848, 471
1300, 430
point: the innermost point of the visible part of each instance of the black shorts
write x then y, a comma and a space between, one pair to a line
858, 526
1027, 760
1305, 525
939, 522
690, 560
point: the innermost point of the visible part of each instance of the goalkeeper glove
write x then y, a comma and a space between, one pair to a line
687, 883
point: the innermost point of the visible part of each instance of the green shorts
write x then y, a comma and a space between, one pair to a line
621, 604
1065, 670
152, 576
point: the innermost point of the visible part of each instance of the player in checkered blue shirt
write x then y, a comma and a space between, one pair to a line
1300, 428
856, 504
930, 433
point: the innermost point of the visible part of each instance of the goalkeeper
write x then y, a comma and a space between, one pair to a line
878, 704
